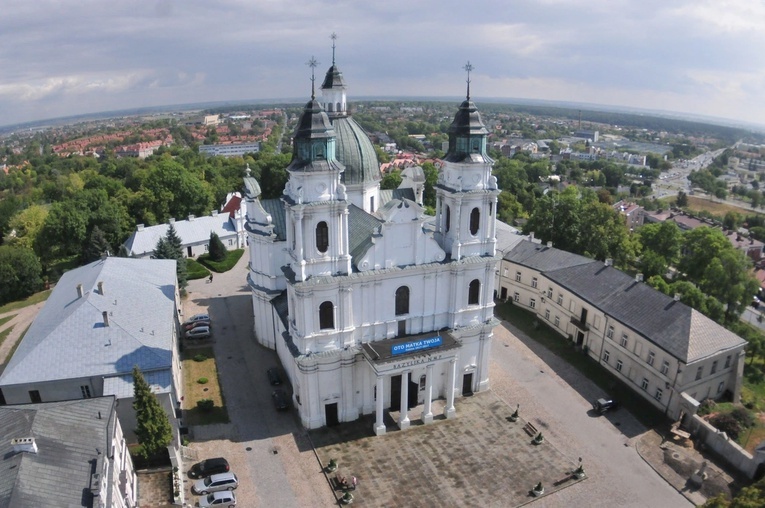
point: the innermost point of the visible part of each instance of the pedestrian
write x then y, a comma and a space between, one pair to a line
210, 279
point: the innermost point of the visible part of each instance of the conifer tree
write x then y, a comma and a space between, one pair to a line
97, 246
154, 432
171, 247
217, 249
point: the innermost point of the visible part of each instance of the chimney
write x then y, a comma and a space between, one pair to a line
214, 213
549, 245
101, 288
191, 217
609, 261
677, 297
171, 221
79, 290
106, 318
639, 277
24, 444
139, 227
531, 236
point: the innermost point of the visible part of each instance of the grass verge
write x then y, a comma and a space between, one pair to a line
194, 368
232, 257
35, 298
6, 319
194, 270
538, 331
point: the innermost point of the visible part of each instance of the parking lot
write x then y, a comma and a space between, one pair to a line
473, 459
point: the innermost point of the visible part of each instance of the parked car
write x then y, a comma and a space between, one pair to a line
604, 405
223, 498
195, 324
197, 317
201, 332
209, 467
273, 376
281, 401
215, 483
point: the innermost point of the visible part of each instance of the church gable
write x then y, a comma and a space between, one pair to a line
401, 240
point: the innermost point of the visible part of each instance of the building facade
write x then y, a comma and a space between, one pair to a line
666, 352
371, 306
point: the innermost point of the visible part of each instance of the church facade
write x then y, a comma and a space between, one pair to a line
371, 305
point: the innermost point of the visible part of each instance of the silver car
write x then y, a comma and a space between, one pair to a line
200, 332
215, 483
224, 498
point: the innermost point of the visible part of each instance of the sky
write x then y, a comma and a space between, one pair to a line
71, 57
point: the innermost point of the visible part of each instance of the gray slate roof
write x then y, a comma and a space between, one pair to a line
275, 208
190, 231
68, 338
361, 226
673, 326
68, 435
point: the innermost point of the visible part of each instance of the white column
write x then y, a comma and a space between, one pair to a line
427, 412
379, 417
449, 411
403, 417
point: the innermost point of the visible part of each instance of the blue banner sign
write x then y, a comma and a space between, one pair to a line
417, 345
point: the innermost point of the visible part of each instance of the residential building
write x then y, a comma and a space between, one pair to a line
371, 306
100, 321
230, 149
70, 453
194, 233
668, 353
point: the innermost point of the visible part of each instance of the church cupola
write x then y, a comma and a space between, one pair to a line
467, 133
333, 88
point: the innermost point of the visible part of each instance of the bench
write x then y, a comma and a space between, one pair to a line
349, 484
530, 429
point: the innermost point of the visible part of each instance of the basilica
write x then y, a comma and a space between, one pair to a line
371, 305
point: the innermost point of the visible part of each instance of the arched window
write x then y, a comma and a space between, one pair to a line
402, 300
326, 316
339, 108
448, 218
322, 237
474, 292
475, 220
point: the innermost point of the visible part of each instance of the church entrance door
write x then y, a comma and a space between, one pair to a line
467, 384
395, 393
330, 414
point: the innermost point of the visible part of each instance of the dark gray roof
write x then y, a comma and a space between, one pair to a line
68, 339
354, 149
275, 208
313, 122
542, 258
69, 436
333, 79
388, 194
361, 226
673, 326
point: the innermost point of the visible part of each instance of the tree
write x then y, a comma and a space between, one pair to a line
217, 250
431, 178
97, 245
728, 278
663, 239
26, 225
700, 245
153, 429
682, 199
20, 273
391, 180
171, 247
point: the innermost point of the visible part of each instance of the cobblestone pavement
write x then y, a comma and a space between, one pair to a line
154, 488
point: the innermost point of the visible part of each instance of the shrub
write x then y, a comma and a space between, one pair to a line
706, 407
200, 357
202, 380
725, 422
743, 416
206, 405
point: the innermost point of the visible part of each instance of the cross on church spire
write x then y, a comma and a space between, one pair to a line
468, 67
334, 38
312, 63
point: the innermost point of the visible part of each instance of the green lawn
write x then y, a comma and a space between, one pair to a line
560, 346
232, 257
35, 298
194, 270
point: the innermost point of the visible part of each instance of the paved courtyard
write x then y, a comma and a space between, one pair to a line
479, 458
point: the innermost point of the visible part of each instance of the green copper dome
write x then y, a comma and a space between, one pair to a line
356, 152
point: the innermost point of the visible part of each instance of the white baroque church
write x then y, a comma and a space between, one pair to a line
370, 304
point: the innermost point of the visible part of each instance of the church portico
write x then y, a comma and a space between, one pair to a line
408, 368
